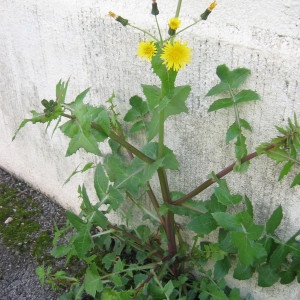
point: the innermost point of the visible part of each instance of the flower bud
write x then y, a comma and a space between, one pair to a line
171, 31
207, 12
123, 21
154, 10
174, 24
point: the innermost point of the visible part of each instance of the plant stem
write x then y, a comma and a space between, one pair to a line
144, 31
169, 221
236, 111
178, 8
125, 144
150, 192
158, 28
221, 174
137, 240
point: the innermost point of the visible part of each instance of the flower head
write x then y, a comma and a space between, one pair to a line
123, 21
212, 6
176, 55
146, 50
174, 23
207, 12
154, 10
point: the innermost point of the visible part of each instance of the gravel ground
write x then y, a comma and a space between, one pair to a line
18, 280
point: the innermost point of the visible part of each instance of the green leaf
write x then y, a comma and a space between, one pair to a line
235, 294
278, 256
85, 141
60, 251
240, 147
229, 79
115, 198
252, 230
144, 233
225, 241
153, 126
166, 76
266, 276
140, 125
80, 131
245, 96
177, 103
39, 118
61, 91
202, 224
218, 89
275, 220
83, 242
213, 205
245, 124
222, 267
223, 194
92, 281
227, 221
153, 95
99, 219
108, 260
248, 250
170, 160
114, 166
100, 182
75, 221
168, 288
220, 103
296, 180
137, 175
249, 207
189, 208
86, 201
232, 132
243, 272
233, 78
287, 276
138, 110
286, 169
195, 207
279, 155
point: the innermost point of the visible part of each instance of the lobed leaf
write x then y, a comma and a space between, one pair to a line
220, 103
267, 276
222, 267
243, 272
202, 224
248, 250
92, 281
83, 242
232, 132
296, 180
138, 110
100, 182
246, 96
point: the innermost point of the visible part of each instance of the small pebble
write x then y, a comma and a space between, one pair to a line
8, 220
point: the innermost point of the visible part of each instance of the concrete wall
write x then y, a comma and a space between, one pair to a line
43, 41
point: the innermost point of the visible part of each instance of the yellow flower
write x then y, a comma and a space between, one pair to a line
212, 6
112, 14
176, 55
174, 23
146, 50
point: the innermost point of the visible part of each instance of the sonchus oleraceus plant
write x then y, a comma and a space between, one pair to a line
152, 258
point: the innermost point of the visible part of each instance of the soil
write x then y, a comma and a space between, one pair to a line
20, 258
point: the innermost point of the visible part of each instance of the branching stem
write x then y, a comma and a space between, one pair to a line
221, 174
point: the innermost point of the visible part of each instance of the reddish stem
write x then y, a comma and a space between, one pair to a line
221, 174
